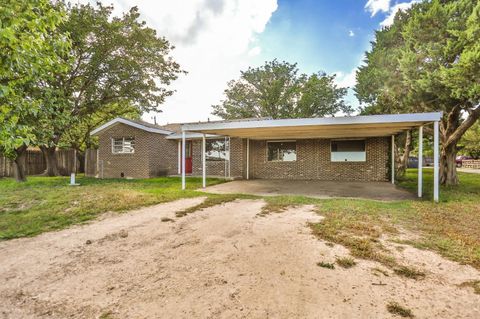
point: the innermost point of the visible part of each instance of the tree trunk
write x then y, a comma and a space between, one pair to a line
51, 160
403, 162
81, 161
448, 166
19, 164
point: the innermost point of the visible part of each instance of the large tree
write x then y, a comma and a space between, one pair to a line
115, 63
29, 53
432, 65
470, 142
277, 90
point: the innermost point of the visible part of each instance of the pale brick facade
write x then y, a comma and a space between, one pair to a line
313, 162
154, 155
157, 156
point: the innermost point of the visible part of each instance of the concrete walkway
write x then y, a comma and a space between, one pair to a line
317, 189
468, 170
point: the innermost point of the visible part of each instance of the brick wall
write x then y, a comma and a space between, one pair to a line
313, 162
154, 155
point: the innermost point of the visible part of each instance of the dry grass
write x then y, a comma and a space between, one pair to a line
48, 203
211, 200
397, 309
409, 272
326, 265
475, 284
346, 262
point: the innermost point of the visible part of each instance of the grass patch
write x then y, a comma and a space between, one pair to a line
346, 262
167, 219
409, 272
49, 203
326, 265
212, 200
475, 284
397, 309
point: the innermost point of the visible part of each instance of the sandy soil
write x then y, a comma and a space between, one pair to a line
223, 262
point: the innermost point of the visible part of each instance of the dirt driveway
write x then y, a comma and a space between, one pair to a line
222, 262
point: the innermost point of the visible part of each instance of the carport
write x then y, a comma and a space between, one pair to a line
388, 125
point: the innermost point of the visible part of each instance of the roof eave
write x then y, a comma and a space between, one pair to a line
130, 123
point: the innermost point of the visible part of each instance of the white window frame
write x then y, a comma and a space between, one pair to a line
348, 161
123, 144
281, 141
227, 152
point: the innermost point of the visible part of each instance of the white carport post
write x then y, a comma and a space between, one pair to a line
393, 159
204, 170
435, 162
179, 157
420, 161
248, 158
183, 159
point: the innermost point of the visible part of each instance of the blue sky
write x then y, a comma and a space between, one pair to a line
330, 36
216, 39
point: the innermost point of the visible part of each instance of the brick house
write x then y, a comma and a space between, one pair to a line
357, 148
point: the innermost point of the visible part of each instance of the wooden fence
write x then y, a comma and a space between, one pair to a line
471, 164
91, 166
35, 163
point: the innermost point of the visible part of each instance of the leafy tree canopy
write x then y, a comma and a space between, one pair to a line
427, 61
29, 53
117, 66
277, 90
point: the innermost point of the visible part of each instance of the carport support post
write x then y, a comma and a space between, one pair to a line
183, 159
435, 162
248, 158
179, 157
204, 172
420, 161
393, 159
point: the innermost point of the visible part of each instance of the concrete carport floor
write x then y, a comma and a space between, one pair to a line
313, 188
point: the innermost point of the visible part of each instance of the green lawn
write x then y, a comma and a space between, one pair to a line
48, 203
451, 227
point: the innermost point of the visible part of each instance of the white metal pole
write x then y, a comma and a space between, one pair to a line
179, 157
229, 163
183, 159
204, 166
393, 159
420, 161
435, 162
248, 158
225, 162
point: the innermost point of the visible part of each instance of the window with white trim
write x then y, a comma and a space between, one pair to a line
348, 151
216, 149
123, 145
282, 151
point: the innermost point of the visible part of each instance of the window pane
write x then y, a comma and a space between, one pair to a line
272, 152
216, 150
348, 151
348, 146
282, 151
123, 145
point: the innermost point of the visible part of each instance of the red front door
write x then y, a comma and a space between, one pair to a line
188, 157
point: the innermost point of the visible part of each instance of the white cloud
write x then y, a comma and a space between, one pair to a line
393, 11
375, 6
214, 40
255, 51
351, 33
346, 80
